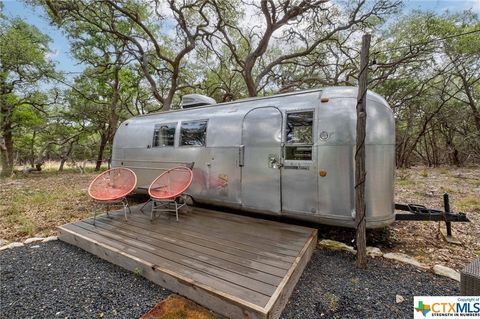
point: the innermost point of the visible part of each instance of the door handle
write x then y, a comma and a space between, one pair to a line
273, 161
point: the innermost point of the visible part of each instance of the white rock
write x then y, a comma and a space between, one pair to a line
16, 244
405, 259
50, 238
447, 272
374, 251
11, 245
335, 245
399, 299
35, 246
33, 240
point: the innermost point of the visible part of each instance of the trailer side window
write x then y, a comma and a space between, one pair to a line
164, 135
299, 136
193, 133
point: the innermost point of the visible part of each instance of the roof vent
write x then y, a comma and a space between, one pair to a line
192, 100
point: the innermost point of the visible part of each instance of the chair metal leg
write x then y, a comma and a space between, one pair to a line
151, 211
166, 206
176, 209
125, 206
145, 204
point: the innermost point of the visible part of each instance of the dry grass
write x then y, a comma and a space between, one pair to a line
176, 307
35, 204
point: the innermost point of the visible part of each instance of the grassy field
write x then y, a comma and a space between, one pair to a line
35, 204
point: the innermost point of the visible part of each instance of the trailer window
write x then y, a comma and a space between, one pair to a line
193, 133
299, 136
164, 135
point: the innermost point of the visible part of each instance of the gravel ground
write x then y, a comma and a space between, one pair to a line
331, 287
57, 280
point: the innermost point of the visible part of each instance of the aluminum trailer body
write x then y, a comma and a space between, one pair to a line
290, 154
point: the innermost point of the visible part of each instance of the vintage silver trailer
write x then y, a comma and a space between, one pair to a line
289, 154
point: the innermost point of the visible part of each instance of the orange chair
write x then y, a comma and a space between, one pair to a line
167, 189
112, 187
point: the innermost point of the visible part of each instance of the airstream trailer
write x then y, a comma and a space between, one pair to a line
290, 154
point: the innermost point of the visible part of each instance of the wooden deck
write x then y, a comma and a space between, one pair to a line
238, 266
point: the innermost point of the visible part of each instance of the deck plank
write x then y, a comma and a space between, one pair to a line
205, 278
232, 304
223, 238
193, 264
260, 256
242, 250
196, 244
248, 226
235, 265
288, 230
193, 252
190, 223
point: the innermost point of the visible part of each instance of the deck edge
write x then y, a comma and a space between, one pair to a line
280, 297
220, 302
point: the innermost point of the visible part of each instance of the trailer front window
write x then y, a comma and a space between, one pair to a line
164, 135
193, 133
299, 136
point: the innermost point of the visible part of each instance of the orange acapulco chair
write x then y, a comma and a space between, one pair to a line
167, 190
112, 187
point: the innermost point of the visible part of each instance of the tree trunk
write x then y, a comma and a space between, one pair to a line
429, 161
113, 120
250, 83
6, 136
6, 152
32, 150
101, 150
62, 163
67, 154
471, 101
107, 135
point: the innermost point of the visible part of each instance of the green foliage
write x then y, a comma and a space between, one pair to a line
23, 66
431, 78
141, 58
23, 51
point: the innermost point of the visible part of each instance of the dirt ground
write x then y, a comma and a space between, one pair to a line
35, 204
423, 240
176, 306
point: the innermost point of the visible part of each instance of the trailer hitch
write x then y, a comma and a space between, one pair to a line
422, 213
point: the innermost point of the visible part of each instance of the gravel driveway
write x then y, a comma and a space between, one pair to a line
57, 280
331, 287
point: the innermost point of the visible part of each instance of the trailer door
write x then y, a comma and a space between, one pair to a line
299, 173
261, 180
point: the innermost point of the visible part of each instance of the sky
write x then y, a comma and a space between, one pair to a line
60, 47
